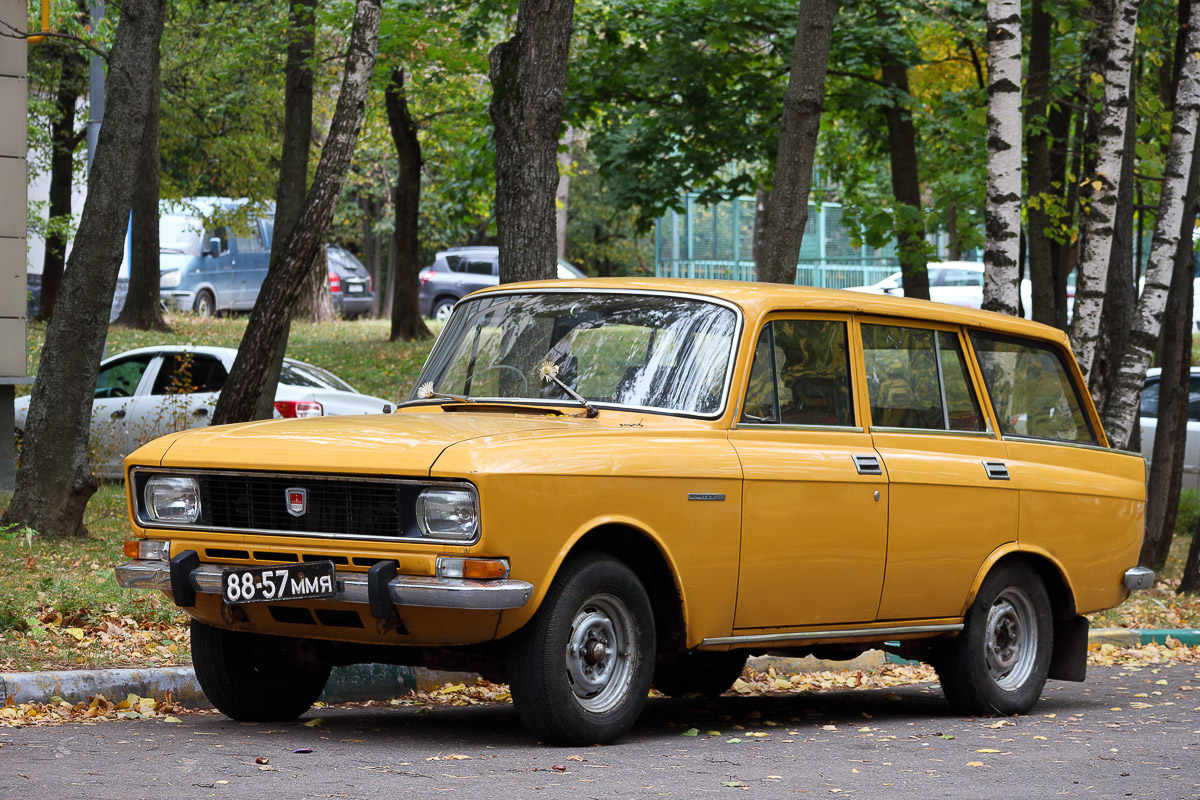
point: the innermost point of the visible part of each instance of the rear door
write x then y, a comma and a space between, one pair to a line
952, 499
182, 396
250, 265
814, 520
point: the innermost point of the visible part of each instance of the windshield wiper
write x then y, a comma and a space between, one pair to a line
549, 372
425, 391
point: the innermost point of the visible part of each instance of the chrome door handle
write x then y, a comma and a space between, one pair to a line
867, 465
118, 414
200, 412
996, 470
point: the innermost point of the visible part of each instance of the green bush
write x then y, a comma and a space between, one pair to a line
1189, 512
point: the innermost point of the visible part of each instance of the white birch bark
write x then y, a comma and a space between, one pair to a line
1131, 374
1098, 223
1002, 216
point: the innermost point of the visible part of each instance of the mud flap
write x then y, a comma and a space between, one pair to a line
181, 578
1069, 661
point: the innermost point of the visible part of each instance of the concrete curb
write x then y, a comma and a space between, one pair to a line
384, 681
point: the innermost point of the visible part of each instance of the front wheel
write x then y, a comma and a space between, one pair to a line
206, 304
251, 677
999, 663
580, 670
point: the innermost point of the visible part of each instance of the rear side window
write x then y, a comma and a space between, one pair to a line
184, 373
917, 378
1031, 389
479, 267
800, 375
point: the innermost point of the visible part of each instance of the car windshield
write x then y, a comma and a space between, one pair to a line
179, 235
614, 348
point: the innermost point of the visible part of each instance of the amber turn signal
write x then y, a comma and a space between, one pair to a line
130, 549
473, 568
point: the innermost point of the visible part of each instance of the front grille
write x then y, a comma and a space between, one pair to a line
352, 508
335, 506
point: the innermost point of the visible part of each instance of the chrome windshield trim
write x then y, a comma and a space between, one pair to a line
735, 344
772, 426
802, 636
935, 432
150, 524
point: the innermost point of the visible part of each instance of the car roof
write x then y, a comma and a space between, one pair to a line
224, 353
756, 299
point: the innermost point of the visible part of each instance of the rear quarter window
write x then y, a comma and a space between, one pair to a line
1031, 389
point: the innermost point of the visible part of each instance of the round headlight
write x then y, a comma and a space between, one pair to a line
173, 499
447, 513
169, 279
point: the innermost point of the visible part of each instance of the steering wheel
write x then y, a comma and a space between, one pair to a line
520, 374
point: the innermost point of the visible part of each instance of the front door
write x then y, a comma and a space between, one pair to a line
814, 520
952, 497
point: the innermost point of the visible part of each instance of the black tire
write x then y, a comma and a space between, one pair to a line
441, 309
580, 670
708, 674
255, 678
206, 304
999, 662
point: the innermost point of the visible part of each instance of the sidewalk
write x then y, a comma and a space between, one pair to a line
383, 682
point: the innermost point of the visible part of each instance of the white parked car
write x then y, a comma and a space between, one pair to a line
1149, 414
956, 283
151, 391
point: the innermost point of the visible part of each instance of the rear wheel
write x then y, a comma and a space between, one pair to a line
709, 674
580, 670
255, 678
206, 304
442, 309
999, 663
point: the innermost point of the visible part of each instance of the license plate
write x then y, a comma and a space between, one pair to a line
278, 582
355, 288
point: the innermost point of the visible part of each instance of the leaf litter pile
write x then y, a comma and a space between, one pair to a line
482, 692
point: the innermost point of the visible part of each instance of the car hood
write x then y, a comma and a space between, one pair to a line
373, 444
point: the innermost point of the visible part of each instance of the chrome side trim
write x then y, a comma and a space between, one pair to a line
1061, 443
804, 636
1137, 578
774, 426
406, 590
988, 434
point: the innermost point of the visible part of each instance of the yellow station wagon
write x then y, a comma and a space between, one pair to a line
601, 486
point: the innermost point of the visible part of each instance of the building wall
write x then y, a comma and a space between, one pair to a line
13, 104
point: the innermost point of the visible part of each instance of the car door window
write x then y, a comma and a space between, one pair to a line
800, 375
1149, 401
1031, 389
249, 240
479, 267
187, 373
121, 379
917, 378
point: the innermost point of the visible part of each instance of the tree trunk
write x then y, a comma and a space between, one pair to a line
143, 309
1121, 288
54, 481
528, 75
1121, 413
260, 351
64, 139
906, 182
953, 240
369, 207
1039, 176
1098, 223
293, 168
1165, 478
314, 303
406, 312
786, 208
562, 194
1002, 215
1066, 255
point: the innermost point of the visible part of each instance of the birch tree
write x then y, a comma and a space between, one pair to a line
1002, 215
1098, 223
1122, 410
785, 210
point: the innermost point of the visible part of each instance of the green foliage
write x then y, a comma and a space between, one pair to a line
602, 237
1189, 513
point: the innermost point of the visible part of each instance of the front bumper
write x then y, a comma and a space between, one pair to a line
1139, 578
403, 590
177, 299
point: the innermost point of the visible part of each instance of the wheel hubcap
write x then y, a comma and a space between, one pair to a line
443, 313
600, 653
1011, 642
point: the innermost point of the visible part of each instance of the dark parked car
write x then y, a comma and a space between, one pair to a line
349, 283
461, 270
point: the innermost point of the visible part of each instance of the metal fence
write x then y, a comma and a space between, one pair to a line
717, 241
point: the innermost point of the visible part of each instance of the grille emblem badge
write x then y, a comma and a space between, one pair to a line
297, 501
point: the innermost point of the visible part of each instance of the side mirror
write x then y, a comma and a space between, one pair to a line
214, 247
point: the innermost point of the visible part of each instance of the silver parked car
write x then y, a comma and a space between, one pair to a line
1149, 414
152, 391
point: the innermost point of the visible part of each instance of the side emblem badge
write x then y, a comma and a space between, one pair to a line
297, 501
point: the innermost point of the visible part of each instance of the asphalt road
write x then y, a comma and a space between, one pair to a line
1096, 739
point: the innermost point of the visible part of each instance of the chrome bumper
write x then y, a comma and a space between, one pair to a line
1139, 578
405, 590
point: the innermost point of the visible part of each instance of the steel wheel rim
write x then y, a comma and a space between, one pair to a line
601, 653
443, 312
1011, 639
